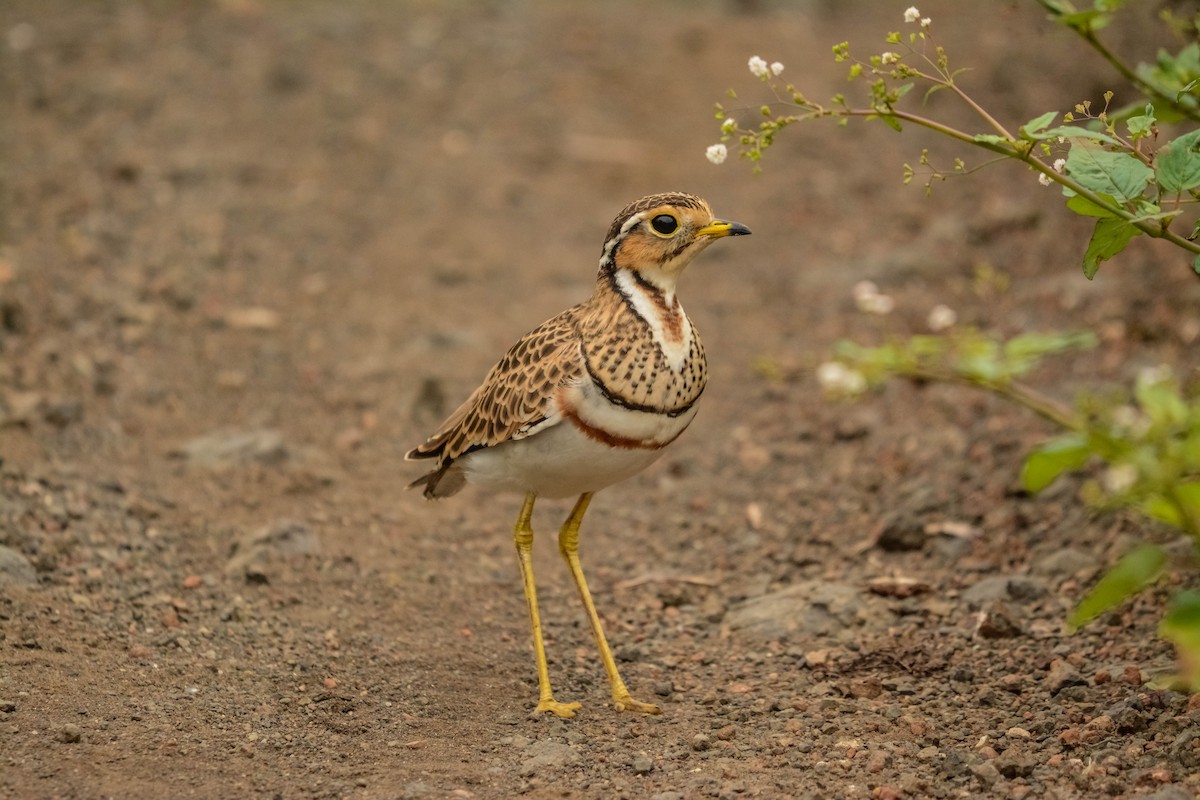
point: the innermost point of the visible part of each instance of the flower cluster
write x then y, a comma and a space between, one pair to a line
870, 300
759, 67
839, 380
913, 14
941, 317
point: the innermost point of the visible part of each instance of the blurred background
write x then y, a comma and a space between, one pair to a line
252, 251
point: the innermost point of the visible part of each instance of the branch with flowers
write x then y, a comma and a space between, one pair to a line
1103, 161
1147, 444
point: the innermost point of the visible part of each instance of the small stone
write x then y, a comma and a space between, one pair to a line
642, 764
1013, 763
900, 534
986, 773
70, 733
1127, 719
1070, 737
224, 449
1061, 675
701, 742
547, 756
878, 761
809, 610
997, 621
1069, 562
15, 569
664, 688
255, 318
1172, 792
281, 539
1132, 676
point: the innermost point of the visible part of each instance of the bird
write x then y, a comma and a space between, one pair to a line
587, 399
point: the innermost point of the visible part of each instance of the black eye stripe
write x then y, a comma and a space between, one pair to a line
664, 224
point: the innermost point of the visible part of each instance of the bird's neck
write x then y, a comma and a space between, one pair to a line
652, 300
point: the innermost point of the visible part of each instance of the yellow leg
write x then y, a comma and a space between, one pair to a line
568, 545
523, 536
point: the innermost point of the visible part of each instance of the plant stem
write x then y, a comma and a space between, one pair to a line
1043, 405
1012, 151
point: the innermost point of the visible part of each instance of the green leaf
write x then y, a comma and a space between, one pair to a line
1060, 454
1073, 132
1086, 208
1106, 172
991, 138
1177, 165
1180, 625
1109, 237
1160, 508
1136, 570
1161, 401
1038, 123
1181, 622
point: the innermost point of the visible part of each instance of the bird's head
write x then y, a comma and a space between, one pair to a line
659, 235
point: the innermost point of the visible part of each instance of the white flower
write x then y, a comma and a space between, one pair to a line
758, 67
1044, 180
926, 22
941, 317
879, 304
889, 58
716, 153
869, 300
1059, 165
729, 125
838, 379
911, 14
1119, 478
776, 67
864, 289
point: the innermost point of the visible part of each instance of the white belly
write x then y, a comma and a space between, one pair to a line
558, 462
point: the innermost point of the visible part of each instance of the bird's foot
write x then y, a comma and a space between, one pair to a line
564, 710
624, 702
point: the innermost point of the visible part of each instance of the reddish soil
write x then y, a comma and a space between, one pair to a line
250, 252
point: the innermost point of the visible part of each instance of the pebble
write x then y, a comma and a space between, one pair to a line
1061, 675
809, 609
229, 448
15, 569
70, 733
901, 533
278, 540
1069, 562
546, 756
985, 773
1004, 587
997, 621
701, 742
642, 764
1013, 763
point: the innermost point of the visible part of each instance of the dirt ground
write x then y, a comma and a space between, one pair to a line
251, 251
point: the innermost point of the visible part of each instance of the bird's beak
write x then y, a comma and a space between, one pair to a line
719, 228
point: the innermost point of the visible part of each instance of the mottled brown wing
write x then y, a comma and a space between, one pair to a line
516, 395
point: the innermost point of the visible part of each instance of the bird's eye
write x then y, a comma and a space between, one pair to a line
664, 224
